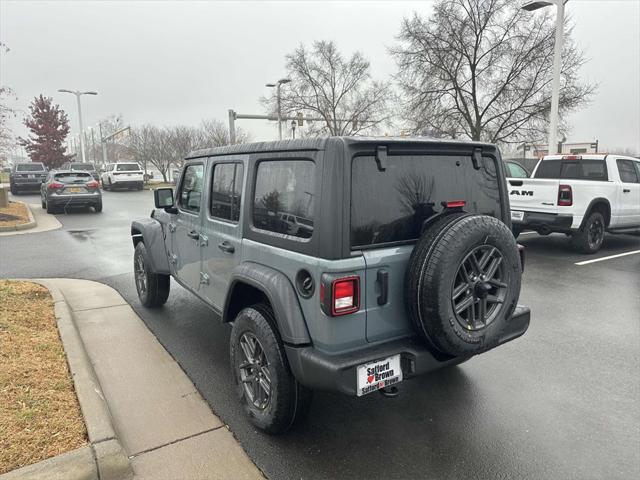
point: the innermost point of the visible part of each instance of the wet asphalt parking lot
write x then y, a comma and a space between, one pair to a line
563, 401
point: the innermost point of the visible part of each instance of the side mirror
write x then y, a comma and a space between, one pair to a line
163, 198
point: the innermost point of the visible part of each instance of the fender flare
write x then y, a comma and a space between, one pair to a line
590, 208
150, 231
281, 294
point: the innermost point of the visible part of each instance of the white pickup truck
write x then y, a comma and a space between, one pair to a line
579, 195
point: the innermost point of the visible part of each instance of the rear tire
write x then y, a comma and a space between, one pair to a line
271, 396
50, 208
42, 202
589, 238
153, 288
98, 207
13, 190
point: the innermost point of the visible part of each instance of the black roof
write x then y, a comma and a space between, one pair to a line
318, 143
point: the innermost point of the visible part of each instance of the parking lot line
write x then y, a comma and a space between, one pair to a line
587, 262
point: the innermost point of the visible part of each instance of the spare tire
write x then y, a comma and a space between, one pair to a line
463, 282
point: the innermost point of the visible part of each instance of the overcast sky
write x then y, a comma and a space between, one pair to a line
170, 62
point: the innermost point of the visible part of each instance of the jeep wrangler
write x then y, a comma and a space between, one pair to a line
342, 264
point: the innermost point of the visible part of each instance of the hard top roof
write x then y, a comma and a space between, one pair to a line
319, 143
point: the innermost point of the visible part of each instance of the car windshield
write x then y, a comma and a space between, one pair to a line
29, 167
83, 166
127, 167
72, 177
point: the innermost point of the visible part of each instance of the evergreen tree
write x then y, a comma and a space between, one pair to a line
49, 127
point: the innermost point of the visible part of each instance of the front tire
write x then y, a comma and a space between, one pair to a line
153, 288
272, 398
590, 237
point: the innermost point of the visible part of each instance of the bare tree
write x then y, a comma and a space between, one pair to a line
151, 145
482, 69
6, 112
214, 133
340, 91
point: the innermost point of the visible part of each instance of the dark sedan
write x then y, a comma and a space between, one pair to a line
65, 189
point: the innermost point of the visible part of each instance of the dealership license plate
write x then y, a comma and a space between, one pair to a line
379, 374
74, 190
515, 215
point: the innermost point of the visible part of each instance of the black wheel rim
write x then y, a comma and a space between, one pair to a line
595, 233
479, 288
141, 275
254, 371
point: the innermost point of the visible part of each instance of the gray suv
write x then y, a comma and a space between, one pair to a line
343, 264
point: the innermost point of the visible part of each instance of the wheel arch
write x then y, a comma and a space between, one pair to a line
253, 283
149, 231
600, 204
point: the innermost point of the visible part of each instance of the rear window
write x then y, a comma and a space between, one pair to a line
391, 206
127, 167
29, 167
285, 192
72, 177
82, 166
573, 169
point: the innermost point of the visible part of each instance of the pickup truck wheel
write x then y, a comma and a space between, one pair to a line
591, 235
153, 288
270, 394
463, 283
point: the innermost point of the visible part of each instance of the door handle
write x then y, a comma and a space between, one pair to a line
226, 247
382, 277
193, 234
626, 190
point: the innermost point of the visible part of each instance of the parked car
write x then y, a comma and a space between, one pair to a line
65, 189
515, 170
407, 263
583, 196
26, 176
123, 175
83, 167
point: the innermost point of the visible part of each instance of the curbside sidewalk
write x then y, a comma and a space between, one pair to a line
42, 222
144, 416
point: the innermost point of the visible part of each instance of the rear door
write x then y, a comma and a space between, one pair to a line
186, 227
221, 233
388, 209
628, 194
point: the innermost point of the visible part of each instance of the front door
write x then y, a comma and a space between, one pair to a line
221, 230
185, 235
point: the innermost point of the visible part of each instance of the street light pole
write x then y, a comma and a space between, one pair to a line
78, 94
557, 63
278, 84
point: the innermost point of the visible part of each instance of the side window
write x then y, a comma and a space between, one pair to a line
191, 189
285, 190
516, 171
226, 191
628, 174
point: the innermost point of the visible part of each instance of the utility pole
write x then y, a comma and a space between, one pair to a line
78, 94
278, 84
104, 147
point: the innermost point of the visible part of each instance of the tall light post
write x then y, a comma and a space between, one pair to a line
278, 84
78, 94
557, 61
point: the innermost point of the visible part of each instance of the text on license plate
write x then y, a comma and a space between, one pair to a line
515, 215
74, 190
379, 374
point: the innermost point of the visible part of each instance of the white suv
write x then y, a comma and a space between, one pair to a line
122, 175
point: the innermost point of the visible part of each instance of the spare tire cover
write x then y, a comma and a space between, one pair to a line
463, 282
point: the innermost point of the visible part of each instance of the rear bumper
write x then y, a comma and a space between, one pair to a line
127, 183
545, 222
337, 373
27, 185
80, 200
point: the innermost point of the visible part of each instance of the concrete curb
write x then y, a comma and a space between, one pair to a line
23, 226
104, 458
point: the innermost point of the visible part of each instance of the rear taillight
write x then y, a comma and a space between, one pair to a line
55, 186
571, 157
344, 297
565, 196
93, 184
455, 204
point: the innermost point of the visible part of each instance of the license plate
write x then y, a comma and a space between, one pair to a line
74, 190
31, 176
515, 215
379, 374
